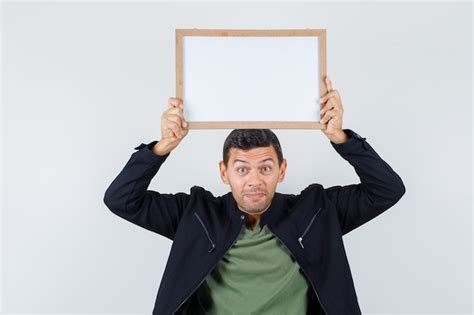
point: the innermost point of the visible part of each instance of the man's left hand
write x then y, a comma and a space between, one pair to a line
331, 114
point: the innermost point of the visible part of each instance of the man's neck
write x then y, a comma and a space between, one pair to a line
252, 220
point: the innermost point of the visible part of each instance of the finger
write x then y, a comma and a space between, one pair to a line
182, 124
332, 120
333, 93
175, 118
168, 133
331, 104
174, 128
332, 114
177, 112
167, 128
329, 84
174, 111
174, 102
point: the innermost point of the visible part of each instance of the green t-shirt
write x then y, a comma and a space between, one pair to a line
256, 276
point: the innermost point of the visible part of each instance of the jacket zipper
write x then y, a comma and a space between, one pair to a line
300, 239
307, 276
209, 271
207, 233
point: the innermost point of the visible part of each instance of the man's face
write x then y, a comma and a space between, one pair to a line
253, 176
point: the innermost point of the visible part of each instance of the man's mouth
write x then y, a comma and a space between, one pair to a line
254, 195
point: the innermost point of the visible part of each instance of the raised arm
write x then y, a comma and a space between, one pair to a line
380, 186
128, 197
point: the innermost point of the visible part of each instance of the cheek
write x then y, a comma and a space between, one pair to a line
236, 182
272, 181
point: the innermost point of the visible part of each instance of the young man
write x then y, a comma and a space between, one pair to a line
253, 250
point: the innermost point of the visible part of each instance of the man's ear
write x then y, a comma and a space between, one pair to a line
223, 172
283, 166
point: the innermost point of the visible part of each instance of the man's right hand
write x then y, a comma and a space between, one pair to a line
173, 127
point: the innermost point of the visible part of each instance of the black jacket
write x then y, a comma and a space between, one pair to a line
310, 224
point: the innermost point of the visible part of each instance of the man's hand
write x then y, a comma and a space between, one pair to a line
173, 127
331, 113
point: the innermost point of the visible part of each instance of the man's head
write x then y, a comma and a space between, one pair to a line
252, 165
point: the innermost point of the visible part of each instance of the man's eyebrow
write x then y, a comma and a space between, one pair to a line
264, 160
237, 160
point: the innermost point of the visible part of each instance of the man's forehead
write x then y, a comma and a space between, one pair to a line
253, 155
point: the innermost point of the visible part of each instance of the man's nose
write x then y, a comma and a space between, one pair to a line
254, 178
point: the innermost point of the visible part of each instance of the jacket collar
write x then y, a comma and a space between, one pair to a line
270, 216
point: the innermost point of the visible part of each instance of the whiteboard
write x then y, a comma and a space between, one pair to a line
251, 78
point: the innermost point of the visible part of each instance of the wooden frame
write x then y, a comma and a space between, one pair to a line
186, 39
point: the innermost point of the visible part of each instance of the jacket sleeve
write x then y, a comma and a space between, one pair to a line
380, 187
128, 197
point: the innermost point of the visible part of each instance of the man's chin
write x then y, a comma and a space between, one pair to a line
255, 208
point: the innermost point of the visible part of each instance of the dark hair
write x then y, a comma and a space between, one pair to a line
246, 139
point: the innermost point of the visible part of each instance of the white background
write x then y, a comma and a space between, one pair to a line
84, 83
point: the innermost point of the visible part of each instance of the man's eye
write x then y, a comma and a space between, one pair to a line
266, 169
241, 170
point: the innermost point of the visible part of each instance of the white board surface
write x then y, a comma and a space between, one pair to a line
245, 78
